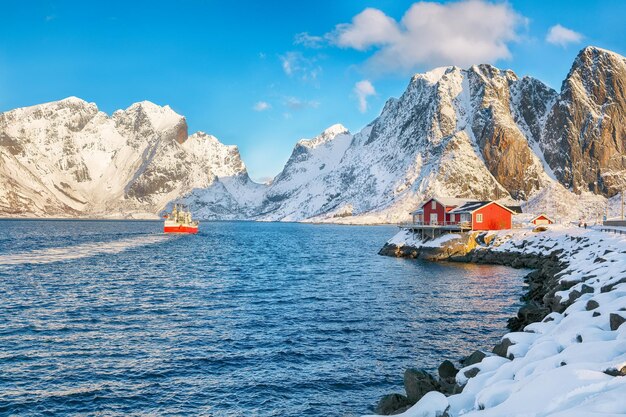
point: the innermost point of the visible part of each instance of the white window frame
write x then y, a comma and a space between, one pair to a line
452, 218
433, 204
434, 218
479, 217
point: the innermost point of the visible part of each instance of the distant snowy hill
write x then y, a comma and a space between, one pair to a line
67, 158
480, 133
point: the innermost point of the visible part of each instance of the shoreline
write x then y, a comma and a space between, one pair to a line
78, 219
105, 219
550, 290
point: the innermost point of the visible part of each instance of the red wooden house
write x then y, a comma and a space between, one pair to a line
436, 211
462, 214
485, 215
542, 219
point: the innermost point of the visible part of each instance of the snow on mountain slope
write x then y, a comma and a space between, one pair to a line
451, 133
479, 133
68, 158
585, 134
302, 185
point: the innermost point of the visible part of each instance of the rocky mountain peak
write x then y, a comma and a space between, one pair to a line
327, 135
433, 76
585, 134
594, 71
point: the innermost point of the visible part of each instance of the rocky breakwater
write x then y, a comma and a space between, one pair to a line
571, 323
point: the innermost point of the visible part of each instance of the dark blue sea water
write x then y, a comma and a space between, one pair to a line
243, 319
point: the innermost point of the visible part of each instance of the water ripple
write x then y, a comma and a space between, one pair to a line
244, 319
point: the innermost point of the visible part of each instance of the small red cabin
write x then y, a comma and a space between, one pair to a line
542, 219
486, 215
436, 211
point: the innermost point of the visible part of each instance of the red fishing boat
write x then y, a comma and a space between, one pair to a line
179, 221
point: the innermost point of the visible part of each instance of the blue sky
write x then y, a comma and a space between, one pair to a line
262, 75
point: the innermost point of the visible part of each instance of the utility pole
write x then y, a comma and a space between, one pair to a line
622, 204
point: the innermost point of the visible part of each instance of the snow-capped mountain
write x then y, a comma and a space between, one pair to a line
67, 158
585, 134
479, 133
451, 133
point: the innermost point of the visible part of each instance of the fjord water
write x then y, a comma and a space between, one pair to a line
243, 319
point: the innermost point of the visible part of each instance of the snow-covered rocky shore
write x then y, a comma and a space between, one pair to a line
569, 357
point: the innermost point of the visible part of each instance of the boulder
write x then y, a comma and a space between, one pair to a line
476, 357
471, 373
592, 305
417, 383
616, 320
529, 313
501, 348
392, 404
450, 387
447, 370
609, 287
586, 289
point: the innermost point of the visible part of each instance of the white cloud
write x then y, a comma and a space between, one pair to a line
261, 106
368, 28
363, 89
295, 103
309, 41
460, 33
559, 35
296, 64
288, 61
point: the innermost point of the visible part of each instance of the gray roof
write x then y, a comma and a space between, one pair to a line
515, 209
470, 206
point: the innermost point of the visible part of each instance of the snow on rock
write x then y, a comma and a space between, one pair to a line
572, 363
67, 158
433, 404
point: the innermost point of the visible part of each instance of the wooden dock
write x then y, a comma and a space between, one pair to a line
434, 230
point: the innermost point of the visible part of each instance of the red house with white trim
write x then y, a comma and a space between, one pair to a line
486, 215
542, 219
455, 214
436, 211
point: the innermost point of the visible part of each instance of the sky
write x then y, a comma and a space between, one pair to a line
262, 75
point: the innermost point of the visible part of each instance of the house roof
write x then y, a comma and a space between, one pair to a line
515, 209
472, 206
542, 215
446, 201
418, 211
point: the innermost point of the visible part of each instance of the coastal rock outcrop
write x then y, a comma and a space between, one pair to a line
569, 333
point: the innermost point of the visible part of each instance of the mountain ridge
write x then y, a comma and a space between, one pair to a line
480, 132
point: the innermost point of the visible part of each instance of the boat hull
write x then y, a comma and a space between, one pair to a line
180, 229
